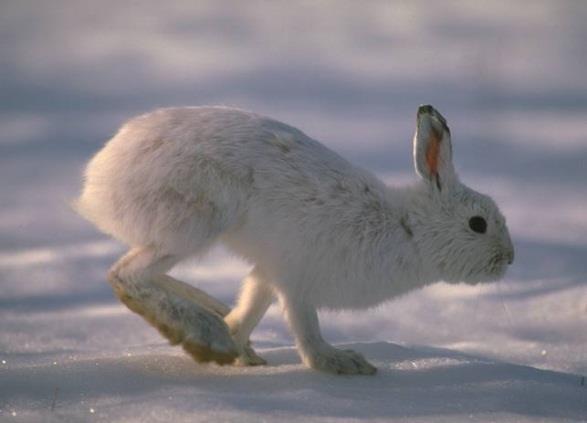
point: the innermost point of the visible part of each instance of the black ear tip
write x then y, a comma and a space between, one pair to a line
426, 109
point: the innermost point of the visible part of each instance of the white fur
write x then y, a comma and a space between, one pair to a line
321, 232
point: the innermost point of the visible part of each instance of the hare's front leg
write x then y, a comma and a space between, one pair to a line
254, 300
184, 316
314, 351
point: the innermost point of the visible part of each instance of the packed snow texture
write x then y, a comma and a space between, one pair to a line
511, 82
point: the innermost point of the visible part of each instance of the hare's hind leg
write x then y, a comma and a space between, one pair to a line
184, 315
254, 300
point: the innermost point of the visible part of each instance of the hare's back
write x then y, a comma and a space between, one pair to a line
182, 172
189, 145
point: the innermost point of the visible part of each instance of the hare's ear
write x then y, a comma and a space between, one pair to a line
432, 148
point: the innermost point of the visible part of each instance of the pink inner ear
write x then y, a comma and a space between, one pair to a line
433, 152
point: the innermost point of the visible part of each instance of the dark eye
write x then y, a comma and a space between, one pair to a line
478, 224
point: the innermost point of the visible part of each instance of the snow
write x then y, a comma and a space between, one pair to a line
511, 83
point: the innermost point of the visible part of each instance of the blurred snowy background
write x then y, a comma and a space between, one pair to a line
509, 77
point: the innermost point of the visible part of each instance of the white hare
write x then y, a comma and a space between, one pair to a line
320, 232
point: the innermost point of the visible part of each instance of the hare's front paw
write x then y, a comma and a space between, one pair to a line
345, 362
248, 357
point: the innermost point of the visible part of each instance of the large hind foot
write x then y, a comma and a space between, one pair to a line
138, 281
204, 315
201, 332
246, 355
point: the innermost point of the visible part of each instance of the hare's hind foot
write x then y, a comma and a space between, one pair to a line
182, 314
200, 332
246, 355
202, 311
214, 351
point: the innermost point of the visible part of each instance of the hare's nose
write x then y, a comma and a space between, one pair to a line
509, 249
509, 255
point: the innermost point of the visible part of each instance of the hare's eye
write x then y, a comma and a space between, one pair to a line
478, 224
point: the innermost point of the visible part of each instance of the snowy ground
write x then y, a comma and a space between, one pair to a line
511, 82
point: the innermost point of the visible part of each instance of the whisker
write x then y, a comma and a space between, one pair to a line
508, 314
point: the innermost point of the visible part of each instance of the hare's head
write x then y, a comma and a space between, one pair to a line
460, 232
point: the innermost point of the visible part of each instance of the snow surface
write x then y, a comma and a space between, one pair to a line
510, 81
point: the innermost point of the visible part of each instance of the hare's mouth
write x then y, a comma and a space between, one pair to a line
497, 265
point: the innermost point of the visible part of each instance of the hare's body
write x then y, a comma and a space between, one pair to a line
320, 232
180, 179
